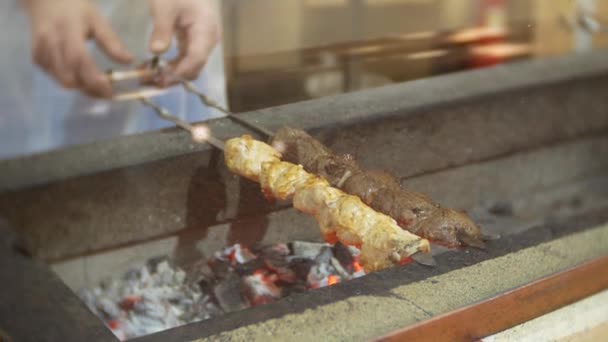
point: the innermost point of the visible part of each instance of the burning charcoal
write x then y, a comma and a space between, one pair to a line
249, 267
108, 285
359, 271
146, 300
205, 285
343, 254
301, 267
317, 277
324, 256
344, 274
144, 275
198, 271
284, 274
108, 308
228, 293
302, 249
261, 289
276, 253
332, 279
281, 249
144, 307
89, 298
242, 255
128, 302
131, 275
179, 276
164, 274
159, 295
276, 261
221, 268
235, 254
210, 308
275, 258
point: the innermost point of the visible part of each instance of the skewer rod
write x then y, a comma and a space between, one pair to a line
138, 94
123, 75
165, 115
208, 102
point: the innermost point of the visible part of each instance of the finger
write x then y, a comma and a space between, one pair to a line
48, 55
108, 41
92, 81
73, 50
64, 70
164, 23
200, 42
40, 52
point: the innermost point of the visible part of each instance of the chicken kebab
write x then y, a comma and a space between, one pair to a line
413, 211
340, 215
329, 186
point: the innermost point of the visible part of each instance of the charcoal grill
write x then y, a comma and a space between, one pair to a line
522, 147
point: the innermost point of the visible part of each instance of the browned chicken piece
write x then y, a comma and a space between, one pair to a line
246, 155
414, 211
281, 180
382, 242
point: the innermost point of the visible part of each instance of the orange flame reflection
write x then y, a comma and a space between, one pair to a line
405, 261
332, 279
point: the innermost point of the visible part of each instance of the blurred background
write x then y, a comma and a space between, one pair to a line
281, 52
278, 52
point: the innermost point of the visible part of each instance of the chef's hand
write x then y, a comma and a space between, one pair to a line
60, 29
195, 25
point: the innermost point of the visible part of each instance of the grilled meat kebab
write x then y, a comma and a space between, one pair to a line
383, 243
413, 211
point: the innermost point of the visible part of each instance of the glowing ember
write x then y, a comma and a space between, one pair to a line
114, 324
236, 253
405, 261
201, 133
261, 289
129, 302
159, 295
331, 238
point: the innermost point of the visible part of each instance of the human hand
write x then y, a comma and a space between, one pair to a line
196, 27
60, 29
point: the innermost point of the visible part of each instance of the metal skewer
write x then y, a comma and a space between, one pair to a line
199, 133
158, 66
189, 87
202, 133
138, 94
123, 75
